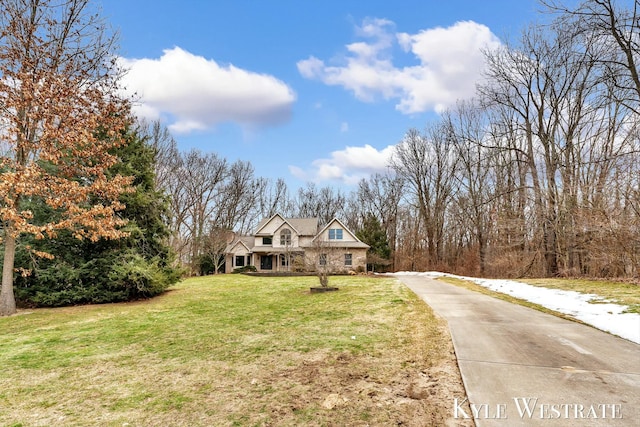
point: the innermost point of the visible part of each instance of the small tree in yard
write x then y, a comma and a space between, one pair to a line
323, 269
61, 115
213, 248
324, 260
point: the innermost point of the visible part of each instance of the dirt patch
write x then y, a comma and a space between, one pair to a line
320, 290
413, 382
398, 388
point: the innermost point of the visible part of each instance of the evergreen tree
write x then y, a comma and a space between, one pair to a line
81, 271
374, 235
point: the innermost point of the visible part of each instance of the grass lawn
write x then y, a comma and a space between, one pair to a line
233, 350
622, 293
617, 292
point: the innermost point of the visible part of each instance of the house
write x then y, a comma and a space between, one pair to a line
297, 244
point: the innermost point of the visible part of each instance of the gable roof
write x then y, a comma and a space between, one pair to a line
330, 223
356, 243
302, 226
263, 223
246, 241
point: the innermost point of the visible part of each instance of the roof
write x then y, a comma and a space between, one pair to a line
264, 222
340, 244
275, 250
304, 226
247, 241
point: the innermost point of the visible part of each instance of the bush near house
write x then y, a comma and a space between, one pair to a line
245, 269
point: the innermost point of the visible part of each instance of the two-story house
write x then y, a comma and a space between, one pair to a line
297, 244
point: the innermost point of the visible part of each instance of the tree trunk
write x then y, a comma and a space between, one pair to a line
550, 250
482, 250
7, 298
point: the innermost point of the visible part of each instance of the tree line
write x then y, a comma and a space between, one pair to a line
538, 175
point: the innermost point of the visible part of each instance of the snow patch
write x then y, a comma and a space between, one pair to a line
603, 315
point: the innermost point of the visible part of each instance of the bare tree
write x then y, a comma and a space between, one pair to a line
607, 24
324, 259
466, 127
324, 203
206, 195
411, 245
214, 243
235, 202
513, 225
427, 166
273, 198
564, 109
542, 178
165, 148
380, 196
201, 183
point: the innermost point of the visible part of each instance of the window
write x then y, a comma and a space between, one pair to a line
323, 259
239, 260
267, 241
285, 237
348, 260
284, 260
335, 234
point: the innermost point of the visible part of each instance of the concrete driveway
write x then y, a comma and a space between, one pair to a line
522, 367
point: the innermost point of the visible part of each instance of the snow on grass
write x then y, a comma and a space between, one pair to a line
601, 314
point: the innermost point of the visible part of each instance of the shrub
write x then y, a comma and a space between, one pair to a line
245, 269
139, 278
127, 276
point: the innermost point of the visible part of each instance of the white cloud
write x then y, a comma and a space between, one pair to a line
348, 166
450, 63
298, 172
309, 68
196, 93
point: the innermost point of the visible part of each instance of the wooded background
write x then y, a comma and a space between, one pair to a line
536, 176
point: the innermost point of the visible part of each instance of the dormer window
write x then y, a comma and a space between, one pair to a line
285, 237
335, 234
267, 241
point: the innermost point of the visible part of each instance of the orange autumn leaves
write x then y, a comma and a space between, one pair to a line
61, 116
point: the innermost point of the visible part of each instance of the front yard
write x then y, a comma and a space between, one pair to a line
233, 350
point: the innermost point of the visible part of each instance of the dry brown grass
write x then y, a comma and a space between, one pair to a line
234, 351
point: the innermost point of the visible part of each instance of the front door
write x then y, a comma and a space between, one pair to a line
266, 262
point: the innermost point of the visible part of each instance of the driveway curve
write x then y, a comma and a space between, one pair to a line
522, 367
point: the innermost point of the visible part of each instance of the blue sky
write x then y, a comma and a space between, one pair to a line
306, 90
